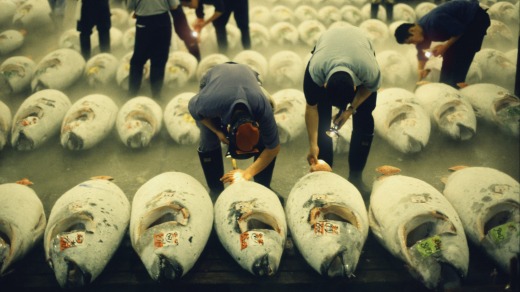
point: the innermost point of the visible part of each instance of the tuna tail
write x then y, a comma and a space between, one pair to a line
76, 277
343, 265
262, 267
169, 270
23, 142
74, 142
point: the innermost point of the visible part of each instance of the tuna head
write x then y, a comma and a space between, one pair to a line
64, 246
160, 234
344, 225
436, 253
456, 118
70, 136
140, 126
499, 232
26, 131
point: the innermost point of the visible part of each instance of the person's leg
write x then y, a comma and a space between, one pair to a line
389, 6
210, 155
84, 26
220, 30
103, 26
158, 58
141, 55
241, 14
182, 29
311, 89
374, 8
361, 141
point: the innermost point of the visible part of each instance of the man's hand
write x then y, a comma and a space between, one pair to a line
235, 175
439, 50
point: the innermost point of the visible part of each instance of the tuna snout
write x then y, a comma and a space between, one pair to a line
76, 277
262, 267
169, 270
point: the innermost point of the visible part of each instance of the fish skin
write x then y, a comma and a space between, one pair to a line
316, 193
123, 71
180, 69
260, 35
401, 121
33, 14
88, 121
449, 111
99, 209
496, 105
284, 34
5, 124
23, 229
10, 40
396, 70
171, 202
244, 203
482, 194
138, 121
58, 70
399, 204
17, 72
38, 118
289, 113
209, 62
100, 70
178, 121
255, 60
310, 31
285, 69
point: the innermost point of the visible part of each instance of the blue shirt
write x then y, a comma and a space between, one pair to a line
345, 49
445, 21
225, 85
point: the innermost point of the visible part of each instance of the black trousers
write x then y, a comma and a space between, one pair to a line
457, 58
240, 9
94, 13
363, 123
152, 42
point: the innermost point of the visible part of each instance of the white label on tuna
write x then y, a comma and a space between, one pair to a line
251, 238
166, 239
325, 227
73, 239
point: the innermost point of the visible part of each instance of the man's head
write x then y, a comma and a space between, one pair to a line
409, 33
243, 131
340, 89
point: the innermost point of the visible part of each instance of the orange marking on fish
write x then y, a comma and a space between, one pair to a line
25, 181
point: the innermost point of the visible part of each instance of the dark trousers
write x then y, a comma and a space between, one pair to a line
240, 9
94, 13
457, 58
363, 123
152, 42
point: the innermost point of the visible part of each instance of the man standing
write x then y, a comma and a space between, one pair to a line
232, 108
94, 13
152, 41
342, 70
461, 26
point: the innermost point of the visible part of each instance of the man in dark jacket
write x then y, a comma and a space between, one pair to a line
461, 25
232, 108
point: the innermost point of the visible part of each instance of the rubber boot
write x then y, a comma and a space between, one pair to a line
265, 176
213, 168
357, 158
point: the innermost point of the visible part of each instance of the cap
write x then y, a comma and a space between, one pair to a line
247, 137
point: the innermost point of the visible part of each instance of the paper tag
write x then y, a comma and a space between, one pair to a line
73, 239
166, 239
251, 238
325, 227
429, 246
504, 231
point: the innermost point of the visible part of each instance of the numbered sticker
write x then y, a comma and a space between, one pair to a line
429, 246
73, 239
326, 227
251, 238
503, 232
166, 239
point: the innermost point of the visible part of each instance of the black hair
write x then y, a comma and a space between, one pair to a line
340, 89
403, 32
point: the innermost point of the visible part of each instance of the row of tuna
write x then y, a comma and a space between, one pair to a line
172, 215
90, 119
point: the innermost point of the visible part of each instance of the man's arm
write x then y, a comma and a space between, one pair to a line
311, 121
209, 124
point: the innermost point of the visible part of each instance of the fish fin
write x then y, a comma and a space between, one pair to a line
388, 170
25, 181
105, 177
457, 167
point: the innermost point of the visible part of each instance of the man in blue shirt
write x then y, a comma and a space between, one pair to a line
232, 108
342, 70
461, 25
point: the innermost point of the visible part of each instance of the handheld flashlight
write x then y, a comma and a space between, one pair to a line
428, 54
333, 132
194, 34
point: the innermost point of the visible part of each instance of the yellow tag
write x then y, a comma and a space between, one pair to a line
429, 246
